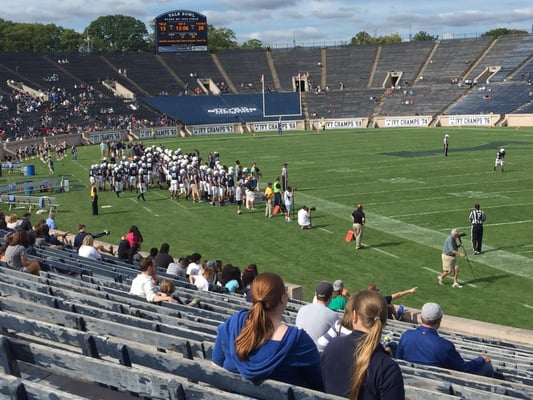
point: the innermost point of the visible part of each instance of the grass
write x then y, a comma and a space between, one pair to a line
412, 194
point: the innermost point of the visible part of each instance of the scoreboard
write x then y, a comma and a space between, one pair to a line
181, 30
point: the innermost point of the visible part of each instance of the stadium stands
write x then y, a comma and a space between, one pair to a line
291, 62
451, 59
352, 77
72, 326
407, 58
491, 98
74, 332
349, 65
243, 67
503, 50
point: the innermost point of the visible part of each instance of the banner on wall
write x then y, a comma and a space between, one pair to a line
470, 120
405, 122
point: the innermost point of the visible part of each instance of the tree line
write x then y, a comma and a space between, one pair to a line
122, 33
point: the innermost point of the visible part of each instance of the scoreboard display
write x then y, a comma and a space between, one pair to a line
181, 30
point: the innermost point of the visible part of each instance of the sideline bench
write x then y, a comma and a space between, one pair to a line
29, 202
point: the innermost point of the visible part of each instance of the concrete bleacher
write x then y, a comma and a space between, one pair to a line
452, 58
420, 100
499, 98
401, 57
243, 67
291, 62
350, 65
516, 56
438, 63
345, 103
146, 71
198, 64
496, 55
43, 315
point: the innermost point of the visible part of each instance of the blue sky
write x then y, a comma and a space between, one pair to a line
284, 22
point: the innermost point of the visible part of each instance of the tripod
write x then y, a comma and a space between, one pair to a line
467, 259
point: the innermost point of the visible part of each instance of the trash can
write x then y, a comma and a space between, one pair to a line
30, 170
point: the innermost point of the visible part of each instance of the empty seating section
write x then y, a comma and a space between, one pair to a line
498, 99
401, 57
92, 69
291, 62
525, 73
245, 69
496, 55
192, 66
342, 104
421, 100
147, 72
77, 321
452, 58
517, 55
349, 65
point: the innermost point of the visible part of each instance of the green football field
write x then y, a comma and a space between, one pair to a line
412, 197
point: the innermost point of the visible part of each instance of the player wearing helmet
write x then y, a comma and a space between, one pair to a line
500, 159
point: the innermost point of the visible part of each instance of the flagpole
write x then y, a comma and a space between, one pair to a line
263, 92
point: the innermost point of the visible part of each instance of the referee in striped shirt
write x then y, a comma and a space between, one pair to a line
477, 217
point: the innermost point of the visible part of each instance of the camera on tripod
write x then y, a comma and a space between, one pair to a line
461, 234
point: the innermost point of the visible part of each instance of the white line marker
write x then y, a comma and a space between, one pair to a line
528, 306
325, 230
383, 252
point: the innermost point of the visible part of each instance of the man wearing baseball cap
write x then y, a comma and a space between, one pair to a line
317, 318
424, 346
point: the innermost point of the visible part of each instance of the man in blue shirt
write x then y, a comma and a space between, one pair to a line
424, 346
450, 251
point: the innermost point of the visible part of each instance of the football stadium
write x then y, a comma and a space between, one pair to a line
227, 158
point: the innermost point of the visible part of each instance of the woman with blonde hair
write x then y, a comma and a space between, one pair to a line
258, 345
356, 365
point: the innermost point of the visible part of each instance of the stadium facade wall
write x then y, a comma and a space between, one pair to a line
519, 120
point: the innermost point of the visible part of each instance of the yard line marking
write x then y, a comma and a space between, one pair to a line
150, 211
146, 208
528, 306
500, 259
383, 252
325, 230
506, 205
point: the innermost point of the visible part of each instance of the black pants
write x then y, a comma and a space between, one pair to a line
477, 237
95, 205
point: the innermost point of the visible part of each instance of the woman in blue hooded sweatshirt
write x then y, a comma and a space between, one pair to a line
258, 345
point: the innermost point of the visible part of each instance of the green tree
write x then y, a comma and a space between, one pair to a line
252, 44
423, 36
503, 31
220, 38
117, 33
363, 38
392, 38
70, 41
39, 38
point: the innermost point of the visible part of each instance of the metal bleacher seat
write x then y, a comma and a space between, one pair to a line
98, 316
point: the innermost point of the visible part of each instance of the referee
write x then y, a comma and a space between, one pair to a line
477, 217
